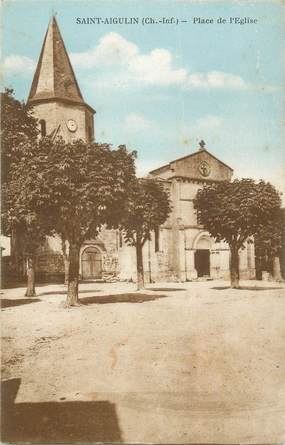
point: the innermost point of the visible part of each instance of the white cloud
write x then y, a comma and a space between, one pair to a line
120, 63
112, 49
156, 68
215, 79
18, 64
135, 122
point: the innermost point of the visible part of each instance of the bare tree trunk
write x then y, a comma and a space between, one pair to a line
276, 272
66, 269
65, 260
73, 276
234, 268
31, 291
140, 272
16, 269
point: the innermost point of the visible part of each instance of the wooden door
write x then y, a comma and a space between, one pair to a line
91, 261
202, 262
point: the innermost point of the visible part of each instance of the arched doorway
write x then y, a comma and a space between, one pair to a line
202, 257
91, 263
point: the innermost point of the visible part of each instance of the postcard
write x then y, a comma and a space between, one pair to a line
143, 245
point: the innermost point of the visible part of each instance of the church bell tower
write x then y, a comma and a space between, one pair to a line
55, 96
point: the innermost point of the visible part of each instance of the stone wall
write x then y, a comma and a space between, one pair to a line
56, 115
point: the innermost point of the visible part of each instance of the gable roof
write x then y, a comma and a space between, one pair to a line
168, 166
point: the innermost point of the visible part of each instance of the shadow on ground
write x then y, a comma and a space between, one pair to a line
247, 288
5, 302
64, 292
121, 298
16, 285
165, 289
56, 422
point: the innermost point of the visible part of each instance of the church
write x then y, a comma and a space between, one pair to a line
180, 250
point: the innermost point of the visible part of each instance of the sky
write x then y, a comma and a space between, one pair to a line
160, 88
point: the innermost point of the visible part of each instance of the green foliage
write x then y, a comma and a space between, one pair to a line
267, 243
18, 142
20, 220
147, 207
76, 187
234, 211
18, 126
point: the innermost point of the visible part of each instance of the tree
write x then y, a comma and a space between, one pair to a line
30, 232
235, 211
78, 187
147, 207
267, 242
19, 220
18, 126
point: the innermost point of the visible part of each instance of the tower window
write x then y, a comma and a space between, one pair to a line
43, 128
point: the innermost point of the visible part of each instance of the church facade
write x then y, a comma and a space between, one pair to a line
180, 250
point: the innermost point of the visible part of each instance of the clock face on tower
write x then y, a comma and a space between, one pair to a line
71, 125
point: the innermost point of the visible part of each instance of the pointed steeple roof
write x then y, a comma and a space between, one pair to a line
54, 77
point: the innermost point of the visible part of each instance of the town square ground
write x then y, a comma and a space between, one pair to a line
177, 363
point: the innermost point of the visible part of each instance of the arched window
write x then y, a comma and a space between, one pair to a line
43, 128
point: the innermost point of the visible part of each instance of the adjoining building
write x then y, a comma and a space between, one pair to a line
180, 249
